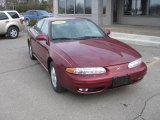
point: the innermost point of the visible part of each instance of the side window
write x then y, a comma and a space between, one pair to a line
44, 28
14, 15
38, 26
35, 13
28, 13
31, 13
3, 16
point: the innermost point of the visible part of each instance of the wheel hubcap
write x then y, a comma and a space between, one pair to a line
13, 33
53, 77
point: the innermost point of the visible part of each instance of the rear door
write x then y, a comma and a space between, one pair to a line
4, 20
16, 19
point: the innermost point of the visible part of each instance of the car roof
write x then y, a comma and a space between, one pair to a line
36, 10
8, 11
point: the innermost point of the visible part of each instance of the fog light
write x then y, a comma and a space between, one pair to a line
83, 89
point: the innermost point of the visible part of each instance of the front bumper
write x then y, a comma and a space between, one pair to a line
89, 84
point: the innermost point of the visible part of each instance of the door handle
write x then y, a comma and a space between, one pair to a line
7, 21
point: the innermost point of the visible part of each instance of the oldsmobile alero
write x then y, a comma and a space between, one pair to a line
81, 58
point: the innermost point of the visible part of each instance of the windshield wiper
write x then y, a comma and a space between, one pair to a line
89, 37
79, 38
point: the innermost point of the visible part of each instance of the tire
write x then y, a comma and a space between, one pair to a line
2, 35
12, 32
54, 79
31, 53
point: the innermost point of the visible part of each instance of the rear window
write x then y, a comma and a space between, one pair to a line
3, 16
14, 15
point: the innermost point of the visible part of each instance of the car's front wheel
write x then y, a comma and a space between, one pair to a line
54, 79
13, 32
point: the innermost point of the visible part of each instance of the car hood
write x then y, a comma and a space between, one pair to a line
98, 52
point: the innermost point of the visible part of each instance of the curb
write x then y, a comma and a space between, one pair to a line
137, 39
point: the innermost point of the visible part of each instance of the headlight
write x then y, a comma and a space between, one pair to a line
86, 71
135, 63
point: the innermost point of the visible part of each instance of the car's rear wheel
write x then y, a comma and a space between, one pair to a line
54, 79
13, 32
31, 53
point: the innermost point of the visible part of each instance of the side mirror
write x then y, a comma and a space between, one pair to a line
41, 37
108, 32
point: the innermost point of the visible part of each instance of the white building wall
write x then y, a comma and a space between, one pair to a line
108, 18
97, 11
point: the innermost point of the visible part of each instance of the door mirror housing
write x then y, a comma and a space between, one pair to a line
41, 37
108, 32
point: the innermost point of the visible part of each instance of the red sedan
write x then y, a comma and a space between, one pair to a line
80, 57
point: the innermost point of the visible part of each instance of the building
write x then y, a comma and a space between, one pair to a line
108, 12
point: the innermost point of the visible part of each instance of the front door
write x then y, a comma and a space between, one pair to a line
43, 52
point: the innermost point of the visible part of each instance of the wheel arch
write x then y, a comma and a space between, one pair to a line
28, 42
27, 18
13, 26
49, 60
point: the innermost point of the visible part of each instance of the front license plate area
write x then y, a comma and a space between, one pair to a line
119, 81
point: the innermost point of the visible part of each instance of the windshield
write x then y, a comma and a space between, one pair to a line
44, 12
75, 29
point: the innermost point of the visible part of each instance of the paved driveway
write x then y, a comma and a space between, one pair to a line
26, 92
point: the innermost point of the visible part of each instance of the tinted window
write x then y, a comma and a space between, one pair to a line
104, 6
3, 16
154, 9
33, 13
135, 7
74, 6
14, 15
79, 6
88, 7
61, 7
70, 6
44, 28
43, 12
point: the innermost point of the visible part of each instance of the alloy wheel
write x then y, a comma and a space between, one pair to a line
13, 33
53, 77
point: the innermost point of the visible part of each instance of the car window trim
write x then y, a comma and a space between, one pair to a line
36, 28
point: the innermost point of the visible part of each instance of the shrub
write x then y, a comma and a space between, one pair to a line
24, 7
32, 22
